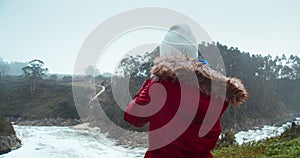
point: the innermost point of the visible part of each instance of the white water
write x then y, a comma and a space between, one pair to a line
64, 142
265, 132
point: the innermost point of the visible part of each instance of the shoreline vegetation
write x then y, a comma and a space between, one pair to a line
286, 145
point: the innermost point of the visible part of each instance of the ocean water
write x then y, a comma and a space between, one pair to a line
65, 142
262, 133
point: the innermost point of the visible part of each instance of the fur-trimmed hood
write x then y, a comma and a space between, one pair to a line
166, 69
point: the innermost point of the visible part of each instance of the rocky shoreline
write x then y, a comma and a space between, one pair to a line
126, 139
8, 143
259, 123
45, 122
8, 138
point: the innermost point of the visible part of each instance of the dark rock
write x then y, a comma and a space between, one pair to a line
8, 138
48, 122
8, 143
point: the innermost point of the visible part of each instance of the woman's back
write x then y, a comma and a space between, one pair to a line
188, 143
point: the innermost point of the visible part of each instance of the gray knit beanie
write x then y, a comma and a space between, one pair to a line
179, 41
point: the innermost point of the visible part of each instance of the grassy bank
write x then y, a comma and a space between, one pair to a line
285, 146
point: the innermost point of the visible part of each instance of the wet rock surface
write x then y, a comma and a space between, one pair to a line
8, 143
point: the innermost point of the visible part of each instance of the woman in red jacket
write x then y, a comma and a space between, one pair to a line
176, 100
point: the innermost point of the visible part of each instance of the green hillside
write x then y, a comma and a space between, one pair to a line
51, 99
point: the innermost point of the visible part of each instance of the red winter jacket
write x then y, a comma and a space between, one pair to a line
188, 120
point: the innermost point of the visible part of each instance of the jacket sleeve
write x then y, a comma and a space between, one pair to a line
141, 98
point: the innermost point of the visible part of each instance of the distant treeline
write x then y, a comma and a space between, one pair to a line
273, 84
12, 68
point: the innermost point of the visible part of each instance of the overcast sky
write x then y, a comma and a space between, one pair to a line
54, 30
